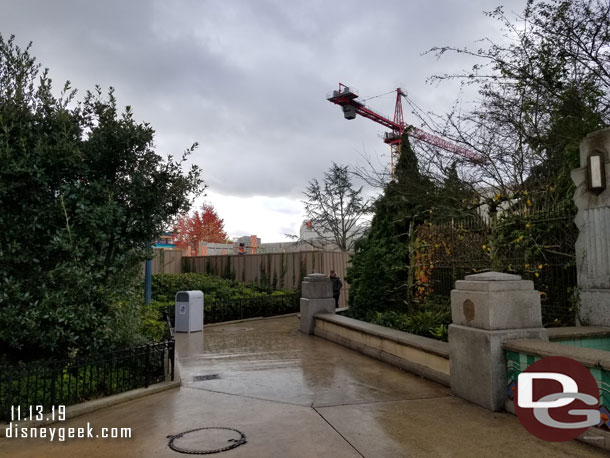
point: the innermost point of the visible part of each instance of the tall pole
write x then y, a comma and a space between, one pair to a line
148, 281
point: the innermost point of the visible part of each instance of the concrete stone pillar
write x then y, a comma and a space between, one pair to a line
593, 243
316, 297
488, 309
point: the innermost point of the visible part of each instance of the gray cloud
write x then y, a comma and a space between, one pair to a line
248, 79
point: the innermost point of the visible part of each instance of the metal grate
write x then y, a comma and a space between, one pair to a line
203, 378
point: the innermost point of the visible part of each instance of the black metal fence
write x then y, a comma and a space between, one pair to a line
538, 245
239, 309
69, 382
556, 282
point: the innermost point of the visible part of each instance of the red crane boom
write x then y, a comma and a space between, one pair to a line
346, 97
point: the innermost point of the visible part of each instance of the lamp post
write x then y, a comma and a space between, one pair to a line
148, 281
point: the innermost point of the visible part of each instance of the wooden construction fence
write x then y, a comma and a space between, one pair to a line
167, 261
278, 270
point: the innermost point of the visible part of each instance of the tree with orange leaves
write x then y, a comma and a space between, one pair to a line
202, 226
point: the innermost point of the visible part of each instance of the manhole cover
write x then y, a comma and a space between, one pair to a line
202, 378
207, 440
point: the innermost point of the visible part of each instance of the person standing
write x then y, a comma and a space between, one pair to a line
337, 285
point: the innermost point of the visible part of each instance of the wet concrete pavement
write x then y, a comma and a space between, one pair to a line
299, 396
272, 360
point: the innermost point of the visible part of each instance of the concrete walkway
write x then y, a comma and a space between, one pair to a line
294, 395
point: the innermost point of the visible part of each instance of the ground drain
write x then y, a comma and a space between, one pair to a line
205, 441
202, 378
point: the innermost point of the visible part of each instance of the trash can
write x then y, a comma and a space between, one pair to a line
189, 311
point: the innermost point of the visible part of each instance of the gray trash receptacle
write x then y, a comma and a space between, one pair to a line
189, 311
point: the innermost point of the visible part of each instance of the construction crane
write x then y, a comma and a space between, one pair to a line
346, 97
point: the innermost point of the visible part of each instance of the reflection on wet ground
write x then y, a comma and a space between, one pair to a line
272, 360
299, 396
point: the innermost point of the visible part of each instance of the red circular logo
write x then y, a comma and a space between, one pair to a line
557, 399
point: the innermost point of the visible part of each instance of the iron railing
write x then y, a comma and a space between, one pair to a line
68, 382
556, 283
172, 343
536, 243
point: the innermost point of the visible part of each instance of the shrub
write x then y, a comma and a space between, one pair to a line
224, 300
153, 325
427, 323
51, 383
165, 287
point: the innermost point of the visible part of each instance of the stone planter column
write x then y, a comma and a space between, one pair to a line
316, 297
593, 242
488, 309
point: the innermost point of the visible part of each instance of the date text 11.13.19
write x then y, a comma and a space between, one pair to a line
36, 413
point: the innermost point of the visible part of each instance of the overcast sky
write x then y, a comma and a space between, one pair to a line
248, 80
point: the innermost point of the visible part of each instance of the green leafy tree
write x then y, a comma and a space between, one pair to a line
83, 195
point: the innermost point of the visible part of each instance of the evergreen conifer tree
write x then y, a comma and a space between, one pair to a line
379, 276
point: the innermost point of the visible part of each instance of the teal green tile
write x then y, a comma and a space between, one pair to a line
512, 356
597, 374
530, 360
605, 399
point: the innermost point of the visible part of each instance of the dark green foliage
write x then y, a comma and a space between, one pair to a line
574, 114
378, 276
83, 195
165, 286
77, 380
224, 300
431, 323
154, 327
381, 277
455, 198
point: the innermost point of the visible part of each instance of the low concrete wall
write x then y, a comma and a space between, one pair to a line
420, 355
577, 332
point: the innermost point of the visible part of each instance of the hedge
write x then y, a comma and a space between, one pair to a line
224, 300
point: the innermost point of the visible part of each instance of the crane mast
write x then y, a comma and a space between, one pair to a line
346, 97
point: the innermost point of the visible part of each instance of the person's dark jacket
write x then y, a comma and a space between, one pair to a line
337, 285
